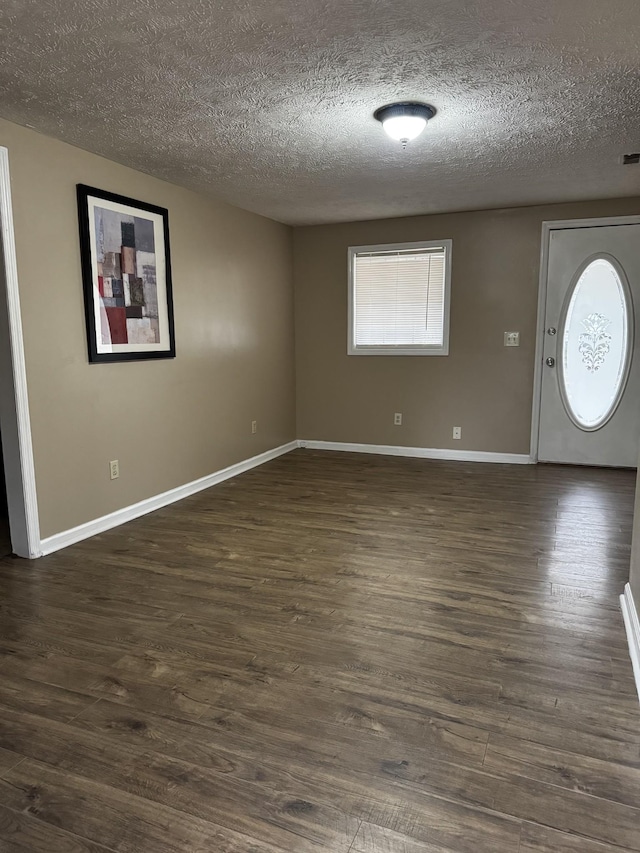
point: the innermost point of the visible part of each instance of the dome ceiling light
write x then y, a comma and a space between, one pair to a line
404, 121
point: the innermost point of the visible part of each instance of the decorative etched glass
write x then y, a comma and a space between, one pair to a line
596, 345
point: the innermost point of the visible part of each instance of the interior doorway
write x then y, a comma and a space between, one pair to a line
5, 533
15, 426
587, 403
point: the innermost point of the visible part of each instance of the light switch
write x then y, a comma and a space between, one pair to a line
512, 339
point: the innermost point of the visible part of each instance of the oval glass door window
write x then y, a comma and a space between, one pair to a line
597, 342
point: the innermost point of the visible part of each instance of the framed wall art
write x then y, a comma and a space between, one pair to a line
126, 273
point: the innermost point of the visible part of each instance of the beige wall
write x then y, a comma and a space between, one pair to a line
168, 421
172, 421
481, 386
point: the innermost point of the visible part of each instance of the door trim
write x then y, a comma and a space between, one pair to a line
632, 626
15, 423
547, 228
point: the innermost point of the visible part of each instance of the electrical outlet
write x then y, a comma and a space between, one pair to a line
512, 339
457, 432
397, 419
114, 469
254, 427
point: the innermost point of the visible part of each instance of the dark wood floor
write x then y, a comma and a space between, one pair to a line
330, 654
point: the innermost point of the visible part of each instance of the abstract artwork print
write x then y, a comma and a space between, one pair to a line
127, 283
127, 280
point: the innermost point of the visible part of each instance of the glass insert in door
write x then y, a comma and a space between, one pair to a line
597, 342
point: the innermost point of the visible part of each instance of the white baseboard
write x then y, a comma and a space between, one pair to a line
632, 625
422, 452
128, 513
121, 516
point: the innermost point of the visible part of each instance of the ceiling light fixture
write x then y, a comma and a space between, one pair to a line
404, 121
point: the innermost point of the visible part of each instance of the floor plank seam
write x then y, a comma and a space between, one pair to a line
90, 705
29, 815
11, 767
605, 846
353, 840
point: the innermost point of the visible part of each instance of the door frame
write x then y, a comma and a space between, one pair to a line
547, 228
15, 423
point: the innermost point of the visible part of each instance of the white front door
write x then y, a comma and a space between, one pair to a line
590, 403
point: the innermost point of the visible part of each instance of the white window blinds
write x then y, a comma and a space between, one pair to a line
399, 298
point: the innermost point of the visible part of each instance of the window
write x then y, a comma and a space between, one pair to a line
399, 299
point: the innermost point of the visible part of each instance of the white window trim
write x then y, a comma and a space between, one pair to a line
426, 349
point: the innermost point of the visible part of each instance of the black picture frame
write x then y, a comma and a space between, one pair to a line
124, 308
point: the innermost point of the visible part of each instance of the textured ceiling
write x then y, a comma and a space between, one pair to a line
268, 103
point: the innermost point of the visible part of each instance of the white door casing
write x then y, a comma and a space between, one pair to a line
14, 404
589, 412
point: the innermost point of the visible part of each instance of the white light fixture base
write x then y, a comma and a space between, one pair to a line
405, 120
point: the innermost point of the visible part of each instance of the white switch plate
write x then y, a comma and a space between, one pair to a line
457, 432
512, 339
254, 427
397, 419
114, 469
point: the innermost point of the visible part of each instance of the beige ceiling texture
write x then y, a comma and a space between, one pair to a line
268, 103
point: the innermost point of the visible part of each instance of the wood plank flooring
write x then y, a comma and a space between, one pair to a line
332, 653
